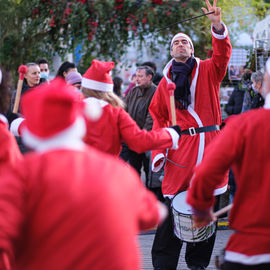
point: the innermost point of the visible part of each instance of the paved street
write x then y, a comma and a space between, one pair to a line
146, 241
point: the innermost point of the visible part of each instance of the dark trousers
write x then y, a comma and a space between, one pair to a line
136, 160
166, 247
238, 266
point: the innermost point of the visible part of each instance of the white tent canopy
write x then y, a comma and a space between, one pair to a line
261, 34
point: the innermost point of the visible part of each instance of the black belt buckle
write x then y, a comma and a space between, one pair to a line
192, 131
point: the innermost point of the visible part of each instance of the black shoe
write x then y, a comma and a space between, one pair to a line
196, 267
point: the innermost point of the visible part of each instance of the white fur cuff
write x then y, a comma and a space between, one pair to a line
175, 137
159, 157
15, 125
223, 36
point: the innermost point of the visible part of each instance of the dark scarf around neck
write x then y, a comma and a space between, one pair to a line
181, 76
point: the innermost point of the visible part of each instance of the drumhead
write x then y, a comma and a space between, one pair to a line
180, 205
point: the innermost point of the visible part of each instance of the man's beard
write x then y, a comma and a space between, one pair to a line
182, 57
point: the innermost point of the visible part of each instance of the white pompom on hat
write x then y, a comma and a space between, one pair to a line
184, 36
93, 109
98, 77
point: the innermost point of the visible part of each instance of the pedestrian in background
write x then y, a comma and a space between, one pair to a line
253, 96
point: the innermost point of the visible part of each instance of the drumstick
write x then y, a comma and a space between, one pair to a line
223, 210
171, 88
216, 215
22, 70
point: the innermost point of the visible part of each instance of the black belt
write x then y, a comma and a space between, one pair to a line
193, 131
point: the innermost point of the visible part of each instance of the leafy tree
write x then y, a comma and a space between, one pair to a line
30, 29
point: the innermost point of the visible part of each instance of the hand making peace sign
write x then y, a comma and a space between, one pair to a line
215, 18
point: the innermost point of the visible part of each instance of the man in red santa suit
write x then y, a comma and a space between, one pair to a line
66, 205
116, 126
199, 116
244, 145
9, 150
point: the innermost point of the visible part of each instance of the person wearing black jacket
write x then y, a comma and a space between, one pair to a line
234, 105
137, 102
253, 97
31, 79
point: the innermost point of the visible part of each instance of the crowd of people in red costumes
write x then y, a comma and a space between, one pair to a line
72, 150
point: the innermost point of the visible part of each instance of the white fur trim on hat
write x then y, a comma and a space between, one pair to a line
184, 36
95, 85
70, 138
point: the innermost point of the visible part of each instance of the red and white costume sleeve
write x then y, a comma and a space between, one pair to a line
204, 110
65, 208
16, 126
9, 151
116, 126
243, 145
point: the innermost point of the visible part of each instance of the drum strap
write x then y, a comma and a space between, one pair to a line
192, 131
174, 163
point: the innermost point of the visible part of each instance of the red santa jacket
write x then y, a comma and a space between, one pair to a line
204, 110
73, 209
9, 151
243, 144
116, 126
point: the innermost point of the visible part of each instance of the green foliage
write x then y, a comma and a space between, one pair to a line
30, 29
260, 7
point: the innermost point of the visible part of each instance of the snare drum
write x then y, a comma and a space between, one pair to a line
183, 223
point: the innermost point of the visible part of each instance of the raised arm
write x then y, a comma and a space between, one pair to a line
222, 48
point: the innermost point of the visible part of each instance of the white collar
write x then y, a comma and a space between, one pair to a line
101, 102
169, 64
267, 101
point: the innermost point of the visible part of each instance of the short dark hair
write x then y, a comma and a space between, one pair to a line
148, 70
117, 82
42, 61
151, 65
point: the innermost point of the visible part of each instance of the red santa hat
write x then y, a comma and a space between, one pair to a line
98, 77
184, 36
52, 109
